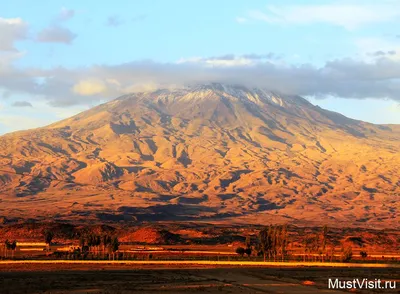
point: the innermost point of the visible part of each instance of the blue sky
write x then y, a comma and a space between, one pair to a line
61, 57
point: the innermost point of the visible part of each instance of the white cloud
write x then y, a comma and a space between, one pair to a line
230, 60
218, 62
11, 30
51, 90
344, 14
349, 78
7, 57
55, 34
145, 87
89, 87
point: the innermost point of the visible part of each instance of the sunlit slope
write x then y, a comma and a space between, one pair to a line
206, 152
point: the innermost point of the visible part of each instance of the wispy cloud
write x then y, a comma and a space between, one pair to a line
139, 17
241, 19
380, 53
376, 48
114, 21
344, 14
65, 14
230, 59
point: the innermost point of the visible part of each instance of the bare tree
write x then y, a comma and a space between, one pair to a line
114, 246
48, 238
324, 238
10, 246
347, 254
273, 241
265, 242
13, 247
106, 243
7, 245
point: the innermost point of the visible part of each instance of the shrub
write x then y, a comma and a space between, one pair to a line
247, 251
363, 254
240, 251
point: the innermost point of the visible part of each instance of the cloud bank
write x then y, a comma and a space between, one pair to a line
347, 78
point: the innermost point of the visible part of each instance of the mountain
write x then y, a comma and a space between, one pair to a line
217, 153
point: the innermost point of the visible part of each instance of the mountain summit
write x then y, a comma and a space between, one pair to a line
207, 152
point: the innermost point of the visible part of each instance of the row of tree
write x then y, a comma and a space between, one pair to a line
272, 243
97, 244
315, 244
91, 243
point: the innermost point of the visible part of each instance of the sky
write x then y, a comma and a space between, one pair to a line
58, 58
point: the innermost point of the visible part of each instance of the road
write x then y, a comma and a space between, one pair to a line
207, 262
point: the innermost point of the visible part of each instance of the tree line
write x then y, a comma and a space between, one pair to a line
99, 245
272, 244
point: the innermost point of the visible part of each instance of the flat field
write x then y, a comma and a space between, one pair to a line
120, 278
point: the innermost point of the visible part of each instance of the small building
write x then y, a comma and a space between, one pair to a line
31, 246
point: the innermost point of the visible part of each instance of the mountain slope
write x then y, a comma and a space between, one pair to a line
211, 152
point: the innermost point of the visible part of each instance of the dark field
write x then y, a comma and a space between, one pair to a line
78, 278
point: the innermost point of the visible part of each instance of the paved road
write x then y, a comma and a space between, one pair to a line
206, 262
